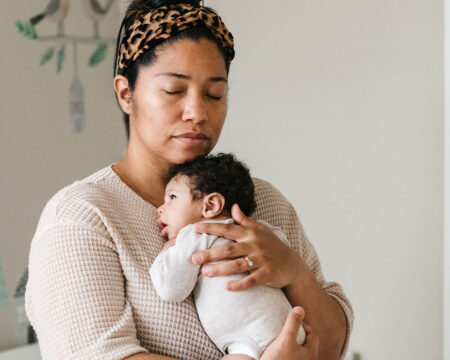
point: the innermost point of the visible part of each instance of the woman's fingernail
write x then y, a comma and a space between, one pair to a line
298, 310
198, 227
197, 258
230, 286
207, 271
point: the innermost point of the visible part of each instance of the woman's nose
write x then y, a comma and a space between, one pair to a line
195, 109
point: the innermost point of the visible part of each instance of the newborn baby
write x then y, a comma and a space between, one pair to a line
239, 323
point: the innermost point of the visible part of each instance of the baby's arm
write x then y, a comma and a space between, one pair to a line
173, 273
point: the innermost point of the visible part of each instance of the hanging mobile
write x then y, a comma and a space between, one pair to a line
76, 97
57, 11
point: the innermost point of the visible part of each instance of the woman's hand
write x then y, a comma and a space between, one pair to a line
285, 346
274, 263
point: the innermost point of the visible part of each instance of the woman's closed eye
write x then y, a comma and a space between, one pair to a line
181, 91
173, 92
214, 97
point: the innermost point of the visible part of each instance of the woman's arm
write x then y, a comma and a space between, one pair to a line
75, 295
277, 265
323, 313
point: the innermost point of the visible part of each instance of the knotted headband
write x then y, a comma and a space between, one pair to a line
151, 28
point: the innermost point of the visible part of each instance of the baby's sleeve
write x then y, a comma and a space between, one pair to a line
277, 231
173, 273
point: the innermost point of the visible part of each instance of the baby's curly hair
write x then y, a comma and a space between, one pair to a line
221, 173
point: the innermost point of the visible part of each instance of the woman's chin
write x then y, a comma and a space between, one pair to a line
191, 155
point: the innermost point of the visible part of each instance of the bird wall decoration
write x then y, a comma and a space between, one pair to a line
95, 11
56, 11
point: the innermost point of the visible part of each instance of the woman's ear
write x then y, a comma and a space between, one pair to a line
213, 205
123, 93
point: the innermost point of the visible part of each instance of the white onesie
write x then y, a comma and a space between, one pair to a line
238, 322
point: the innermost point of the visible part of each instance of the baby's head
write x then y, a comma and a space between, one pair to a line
205, 188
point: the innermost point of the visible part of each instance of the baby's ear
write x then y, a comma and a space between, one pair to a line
213, 205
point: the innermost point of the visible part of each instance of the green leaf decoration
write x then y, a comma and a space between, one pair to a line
20, 26
32, 32
27, 29
47, 55
60, 58
98, 55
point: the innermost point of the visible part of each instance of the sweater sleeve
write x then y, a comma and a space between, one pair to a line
173, 273
75, 295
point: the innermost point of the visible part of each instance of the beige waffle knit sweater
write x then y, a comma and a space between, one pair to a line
89, 294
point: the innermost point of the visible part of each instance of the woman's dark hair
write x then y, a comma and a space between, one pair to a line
221, 173
149, 56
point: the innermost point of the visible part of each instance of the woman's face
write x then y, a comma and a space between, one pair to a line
179, 103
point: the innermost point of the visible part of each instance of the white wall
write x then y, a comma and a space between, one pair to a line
38, 153
339, 104
446, 282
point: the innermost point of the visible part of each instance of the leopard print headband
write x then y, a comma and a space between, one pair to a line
151, 28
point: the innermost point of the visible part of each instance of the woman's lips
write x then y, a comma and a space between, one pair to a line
192, 139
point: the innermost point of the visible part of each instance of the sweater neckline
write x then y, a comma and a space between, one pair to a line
133, 193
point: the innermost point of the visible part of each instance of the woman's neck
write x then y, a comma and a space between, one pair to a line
146, 177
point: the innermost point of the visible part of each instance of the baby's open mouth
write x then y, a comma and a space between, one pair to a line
163, 228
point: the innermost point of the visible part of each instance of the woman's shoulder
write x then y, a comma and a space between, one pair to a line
79, 201
268, 196
271, 205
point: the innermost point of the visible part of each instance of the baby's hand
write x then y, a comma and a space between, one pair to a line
168, 244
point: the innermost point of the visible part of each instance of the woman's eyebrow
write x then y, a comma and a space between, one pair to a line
185, 77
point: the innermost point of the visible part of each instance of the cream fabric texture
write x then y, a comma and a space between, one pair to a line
89, 294
245, 321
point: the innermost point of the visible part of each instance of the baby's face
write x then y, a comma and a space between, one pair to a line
179, 209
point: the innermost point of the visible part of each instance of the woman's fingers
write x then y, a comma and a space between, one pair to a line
226, 268
312, 340
228, 251
292, 324
241, 218
229, 231
254, 279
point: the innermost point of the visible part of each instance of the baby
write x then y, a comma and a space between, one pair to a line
239, 323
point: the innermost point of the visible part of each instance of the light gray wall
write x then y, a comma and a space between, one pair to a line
38, 153
338, 104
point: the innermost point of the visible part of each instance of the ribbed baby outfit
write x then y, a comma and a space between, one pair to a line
89, 293
238, 322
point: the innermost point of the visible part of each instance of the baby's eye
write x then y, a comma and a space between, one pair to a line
171, 197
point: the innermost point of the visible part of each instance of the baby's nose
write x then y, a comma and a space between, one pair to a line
160, 209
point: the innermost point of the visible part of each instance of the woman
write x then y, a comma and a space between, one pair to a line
89, 294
